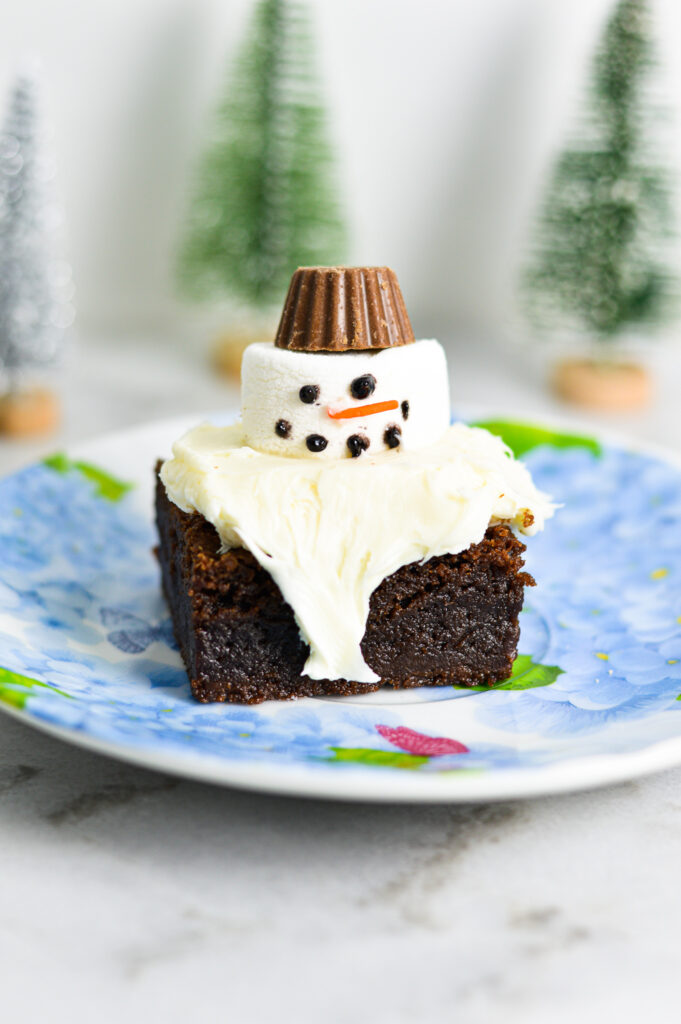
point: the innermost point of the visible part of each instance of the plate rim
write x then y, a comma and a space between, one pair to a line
572, 775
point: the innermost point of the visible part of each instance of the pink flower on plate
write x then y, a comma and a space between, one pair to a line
418, 743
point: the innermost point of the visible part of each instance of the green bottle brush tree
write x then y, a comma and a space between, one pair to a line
598, 266
265, 200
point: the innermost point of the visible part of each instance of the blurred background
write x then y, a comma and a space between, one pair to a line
444, 118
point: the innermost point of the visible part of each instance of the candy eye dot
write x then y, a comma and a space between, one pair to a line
362, 387
282, 428
405, 410
309, 393
315, 442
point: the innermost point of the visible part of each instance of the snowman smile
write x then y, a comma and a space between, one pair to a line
350, 412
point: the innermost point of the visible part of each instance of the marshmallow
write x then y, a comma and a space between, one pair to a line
331, 405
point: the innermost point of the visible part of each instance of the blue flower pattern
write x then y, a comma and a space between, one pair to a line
132, 634
609, 573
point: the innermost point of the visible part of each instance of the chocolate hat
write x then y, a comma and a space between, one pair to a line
343, 309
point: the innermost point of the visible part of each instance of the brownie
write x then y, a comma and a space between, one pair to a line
450, 620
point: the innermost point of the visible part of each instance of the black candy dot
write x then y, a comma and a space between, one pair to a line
405, 410
315, 442
357, 443
392, 436
309, 393
362, 387
282, 428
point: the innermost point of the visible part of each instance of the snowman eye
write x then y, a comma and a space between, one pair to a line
309, 393
362, 387
405, 410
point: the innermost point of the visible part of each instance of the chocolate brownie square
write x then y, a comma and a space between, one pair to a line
450, 620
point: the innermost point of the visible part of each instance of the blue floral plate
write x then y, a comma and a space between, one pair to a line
87, 650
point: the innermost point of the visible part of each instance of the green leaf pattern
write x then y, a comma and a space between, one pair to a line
523, 437
106, 485
15, 689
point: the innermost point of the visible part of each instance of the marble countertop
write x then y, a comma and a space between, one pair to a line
131, 896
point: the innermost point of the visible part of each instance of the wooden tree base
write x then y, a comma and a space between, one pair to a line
610, 386
28, 413
228, 350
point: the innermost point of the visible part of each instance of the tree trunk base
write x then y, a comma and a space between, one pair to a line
609, 386
28, 413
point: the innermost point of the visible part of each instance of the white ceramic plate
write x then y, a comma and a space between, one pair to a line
87, 652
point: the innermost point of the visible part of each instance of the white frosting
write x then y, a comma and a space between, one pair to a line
330, 531
271, 379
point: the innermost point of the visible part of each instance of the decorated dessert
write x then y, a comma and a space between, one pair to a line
342, 535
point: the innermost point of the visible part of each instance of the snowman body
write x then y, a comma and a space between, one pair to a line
335, 405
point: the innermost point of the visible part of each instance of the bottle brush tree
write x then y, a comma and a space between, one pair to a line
265, 199
599, 264
35, 281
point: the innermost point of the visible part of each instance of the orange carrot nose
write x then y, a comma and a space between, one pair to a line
354, 411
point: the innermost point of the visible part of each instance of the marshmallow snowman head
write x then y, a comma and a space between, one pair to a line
344, 377
334, 405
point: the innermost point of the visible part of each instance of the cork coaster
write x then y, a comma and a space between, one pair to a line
28, 413
228, 351
614, 387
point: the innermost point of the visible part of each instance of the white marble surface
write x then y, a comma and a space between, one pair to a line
131, 896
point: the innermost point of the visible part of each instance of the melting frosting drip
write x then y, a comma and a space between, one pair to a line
329, 532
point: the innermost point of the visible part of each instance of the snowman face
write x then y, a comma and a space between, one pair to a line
343, 404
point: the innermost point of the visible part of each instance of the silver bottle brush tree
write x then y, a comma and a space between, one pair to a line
36, 291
